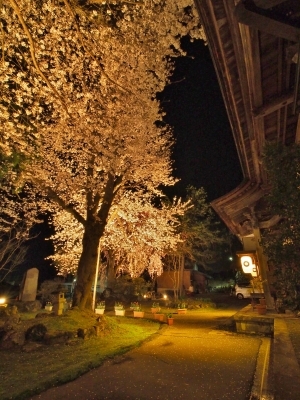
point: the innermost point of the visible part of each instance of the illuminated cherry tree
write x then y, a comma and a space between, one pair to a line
136, 237
78, 87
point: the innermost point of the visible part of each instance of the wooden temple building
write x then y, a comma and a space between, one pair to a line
255, 47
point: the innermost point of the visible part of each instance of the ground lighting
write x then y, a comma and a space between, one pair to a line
3, 302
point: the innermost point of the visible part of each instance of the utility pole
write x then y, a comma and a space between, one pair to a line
96, 278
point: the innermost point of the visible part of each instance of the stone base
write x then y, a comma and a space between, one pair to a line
252, 324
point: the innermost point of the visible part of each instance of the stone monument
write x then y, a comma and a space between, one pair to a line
29, 285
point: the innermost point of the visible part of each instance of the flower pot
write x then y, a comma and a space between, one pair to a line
181, 310
48, 308
138, 314
155, 310
99, 310
170, 321
159, 317
261, 309
120, 312
262, 302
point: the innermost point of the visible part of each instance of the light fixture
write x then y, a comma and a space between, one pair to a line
249, 264
3, 302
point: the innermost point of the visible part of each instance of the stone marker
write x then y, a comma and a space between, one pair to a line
29, 285
59, 303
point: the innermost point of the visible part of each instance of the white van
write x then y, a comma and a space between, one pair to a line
244, 292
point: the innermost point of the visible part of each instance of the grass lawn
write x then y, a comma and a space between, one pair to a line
23, 374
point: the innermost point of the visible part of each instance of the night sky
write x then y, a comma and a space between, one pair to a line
205, 153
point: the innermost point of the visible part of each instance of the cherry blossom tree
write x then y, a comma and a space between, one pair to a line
79, 83
137, 236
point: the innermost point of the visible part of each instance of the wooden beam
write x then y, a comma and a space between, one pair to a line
271, 222
297, 137
273, 105
251, 40
297, 80
265, 24
265, 4
252, 59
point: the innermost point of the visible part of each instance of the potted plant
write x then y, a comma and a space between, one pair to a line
261, 309
170, 319
135, 306
159, 316
48, 306
137, 310
181, 308
155, 308
119, 309
262, 301
100, 307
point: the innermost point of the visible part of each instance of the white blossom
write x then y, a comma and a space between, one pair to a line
80, 102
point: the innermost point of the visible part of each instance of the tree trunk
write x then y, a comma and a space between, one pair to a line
176, 276
94, 228
86, 269
111, 273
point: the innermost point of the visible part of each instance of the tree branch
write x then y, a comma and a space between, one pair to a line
70, 9
67, 207
32, 52
107, 198
12, 249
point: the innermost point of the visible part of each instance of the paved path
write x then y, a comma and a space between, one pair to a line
189, 360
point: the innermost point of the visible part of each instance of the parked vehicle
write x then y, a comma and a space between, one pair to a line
244, 292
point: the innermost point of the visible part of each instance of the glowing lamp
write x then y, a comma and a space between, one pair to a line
3, 302
249, 267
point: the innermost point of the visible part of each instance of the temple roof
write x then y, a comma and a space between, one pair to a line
254, 46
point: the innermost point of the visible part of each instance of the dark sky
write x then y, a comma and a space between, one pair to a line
205, 153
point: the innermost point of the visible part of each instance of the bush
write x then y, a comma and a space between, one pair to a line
48, 289
130, 288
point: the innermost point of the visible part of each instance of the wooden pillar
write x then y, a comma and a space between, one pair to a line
263, 268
